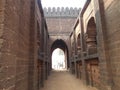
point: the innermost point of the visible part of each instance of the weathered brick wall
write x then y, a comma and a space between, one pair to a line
2, 6
17, 50
60, 22
112, 14
8, 56
60, 25
60, 28
42, 59
89, 12
2, 3
106, 14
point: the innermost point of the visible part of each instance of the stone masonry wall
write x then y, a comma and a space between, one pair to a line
61, 25
106, 14
2, 3
16, 54
60, 22
2, 6
112, 14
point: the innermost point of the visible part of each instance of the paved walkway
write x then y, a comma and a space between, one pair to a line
63, 80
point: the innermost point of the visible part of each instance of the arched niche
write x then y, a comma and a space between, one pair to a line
91, 34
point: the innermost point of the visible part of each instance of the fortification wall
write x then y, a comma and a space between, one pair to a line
61, 12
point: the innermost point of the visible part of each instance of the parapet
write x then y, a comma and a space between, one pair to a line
61, 12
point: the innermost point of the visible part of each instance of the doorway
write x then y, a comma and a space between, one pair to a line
58, 60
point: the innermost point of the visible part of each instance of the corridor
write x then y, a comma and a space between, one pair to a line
88, 37
64, 80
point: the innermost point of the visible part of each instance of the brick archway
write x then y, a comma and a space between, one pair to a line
59, 43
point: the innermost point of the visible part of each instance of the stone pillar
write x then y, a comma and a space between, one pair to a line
83, 51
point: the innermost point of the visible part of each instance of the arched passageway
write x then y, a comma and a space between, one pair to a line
61, 45
58, 60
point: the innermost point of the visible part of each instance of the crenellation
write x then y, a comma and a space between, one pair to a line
61, 12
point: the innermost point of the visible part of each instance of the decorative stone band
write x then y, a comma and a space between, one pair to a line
61, 12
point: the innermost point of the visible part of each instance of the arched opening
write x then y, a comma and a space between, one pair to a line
92, 64
91, 34
59, 52
58, 60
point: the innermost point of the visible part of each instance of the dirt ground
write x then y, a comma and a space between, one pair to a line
63, 80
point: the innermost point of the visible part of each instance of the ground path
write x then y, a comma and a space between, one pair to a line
63, 80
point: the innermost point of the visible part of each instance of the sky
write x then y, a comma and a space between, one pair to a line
58, 59
63, 3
